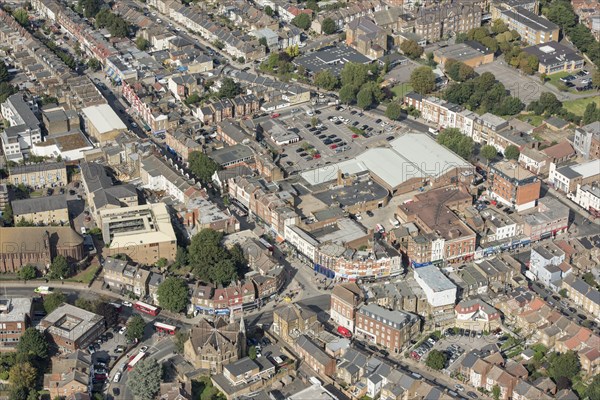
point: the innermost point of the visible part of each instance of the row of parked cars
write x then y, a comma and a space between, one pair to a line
424, 348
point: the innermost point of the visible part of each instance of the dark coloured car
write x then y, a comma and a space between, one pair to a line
322, 137
377, 121
355, 123
303, 154
352, 112
338, 122
337, 140
389, 138
370, 213
327, 141
300, 150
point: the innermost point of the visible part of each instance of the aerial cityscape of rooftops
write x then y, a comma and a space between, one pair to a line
300, 200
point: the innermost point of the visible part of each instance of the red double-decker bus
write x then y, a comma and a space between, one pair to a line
146, 308
164, 328
134, 360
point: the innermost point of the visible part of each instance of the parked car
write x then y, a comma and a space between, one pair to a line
123, 330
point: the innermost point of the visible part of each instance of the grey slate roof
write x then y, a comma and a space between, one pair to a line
39, 204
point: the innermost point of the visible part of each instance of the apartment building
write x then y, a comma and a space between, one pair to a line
314, 356
556, 57
532, 28
289, 321
42, 210
23, 129
446, 20
367, 38
345, 300
588, 198
71, 328
142, 232
513, 185
548, 219
587, 141
15, 316
476, 314
39, 176
388, 329
566, 179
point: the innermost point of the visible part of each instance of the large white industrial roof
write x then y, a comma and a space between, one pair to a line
414, 155
587, 169
103, 118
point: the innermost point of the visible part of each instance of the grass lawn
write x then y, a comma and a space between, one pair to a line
578, 106
357, 130
86, 275
401, 89
535, 120
555, 78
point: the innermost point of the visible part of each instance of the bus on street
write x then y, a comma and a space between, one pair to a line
134, 360
146, 308
164, 328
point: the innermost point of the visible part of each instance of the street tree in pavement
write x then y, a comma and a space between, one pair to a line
135, 328
144, 380
512, 152
488, 152
364, 98
173, 294
53, 300
393, 111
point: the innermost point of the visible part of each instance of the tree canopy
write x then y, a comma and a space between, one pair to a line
325, 79
591, 114
364, 98
144, 380
33, 344
229, 88
393, 111
328, 26
302, 21
115, 24
59, 268
211, 261
453, 139
53, 300
347, 94
411, 49
21, 16
27, 272
173, 294
422, 80
135, 328
354, 74
488, 152
23, 375
4, 75
458, 71
202, 166
565, 365
108, 311
436, 360
142, 43
512, 152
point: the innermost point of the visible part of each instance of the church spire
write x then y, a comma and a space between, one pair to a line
242, 324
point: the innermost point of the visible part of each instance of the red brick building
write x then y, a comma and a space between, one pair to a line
345, 300
14, 319
513, 185
388, 329
72, 328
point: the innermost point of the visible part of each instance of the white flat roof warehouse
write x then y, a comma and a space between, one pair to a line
410, 156
103, 118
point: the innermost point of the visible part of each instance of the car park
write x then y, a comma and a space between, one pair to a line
568, 78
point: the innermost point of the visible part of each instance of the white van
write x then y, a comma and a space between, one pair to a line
433, 131
394, 222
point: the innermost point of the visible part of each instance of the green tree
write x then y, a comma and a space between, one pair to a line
458, 71
263, 41
364, 98
411, 49
141, 43
193, 98
53, 300
33, 344
563, 293
550, 103
18, 393
354, 74
59, 268
252, 353
4, 75
7, 215
6, 90
108, 311
27, 272
325, 79
328, 26
347, 94
488, 152
90, 7
565, 365
454, 140
436, 360
173, 294
23, 375
23, 222
393, 111
512, 152
21, 16
269, 11
596, 79
588, 278
135, 328
593, 390
203, 166
180, 257
229, 88
94, 64
85, 304
496, 392
209, 259
33, 395
144, 380
180, 339
499, 26
422, 80
241, 60
591, 114
302, 21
